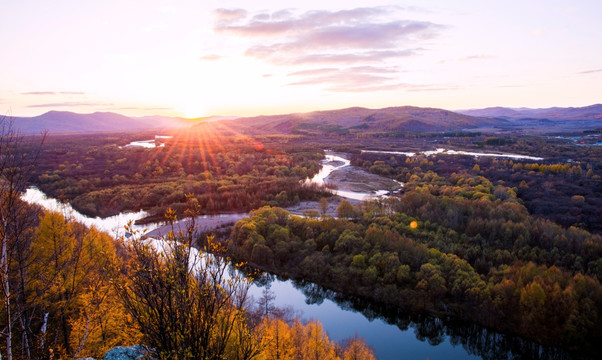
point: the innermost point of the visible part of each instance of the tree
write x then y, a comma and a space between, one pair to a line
316, 344
266, 302
357, 349
69, 283
16, 164
278, 340
187, 303
323, 205
346, 210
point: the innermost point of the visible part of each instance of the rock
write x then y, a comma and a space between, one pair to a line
135, 352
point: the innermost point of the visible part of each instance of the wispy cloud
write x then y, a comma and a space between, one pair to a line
275, 56
70, 104
510, 86
429, 88
211, 57
345, 36
476, 57
590, 71
229, 15
145, 108
53, 93
339, 51
352, 79
100, 106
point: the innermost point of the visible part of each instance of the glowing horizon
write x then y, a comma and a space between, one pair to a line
262, 58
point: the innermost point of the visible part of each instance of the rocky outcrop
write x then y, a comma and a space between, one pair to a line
135, 352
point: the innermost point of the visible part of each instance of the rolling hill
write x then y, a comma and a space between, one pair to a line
355, 119
69, 122
342, 121
592, 112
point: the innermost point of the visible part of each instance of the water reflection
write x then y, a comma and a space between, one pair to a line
416, 335
150, 144
113, 225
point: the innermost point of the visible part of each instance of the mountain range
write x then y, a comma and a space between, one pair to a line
350, 120
70, 122
355, 119
593, 112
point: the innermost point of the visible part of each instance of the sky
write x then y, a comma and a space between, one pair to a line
243, 58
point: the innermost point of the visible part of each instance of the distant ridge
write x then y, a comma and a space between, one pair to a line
342, 121
355, 119
70, 122
592, 112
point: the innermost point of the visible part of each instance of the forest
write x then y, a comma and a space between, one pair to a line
514, 245
70, 291
78, 293
100, 176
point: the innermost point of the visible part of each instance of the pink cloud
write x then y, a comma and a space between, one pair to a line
352, 79
211, 57
70, 104
326, 35
228, 15
53, 93
349, 47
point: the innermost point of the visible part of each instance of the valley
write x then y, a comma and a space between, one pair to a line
477, 200
300, 180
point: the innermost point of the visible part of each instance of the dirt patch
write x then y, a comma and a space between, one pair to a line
351, 178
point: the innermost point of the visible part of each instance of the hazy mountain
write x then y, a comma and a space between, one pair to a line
68, 122
350, 120
593, 112
356, 119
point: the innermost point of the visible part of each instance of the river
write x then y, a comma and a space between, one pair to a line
442, 151
392, 335
364, 186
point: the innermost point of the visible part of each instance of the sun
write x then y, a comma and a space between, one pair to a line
192, 109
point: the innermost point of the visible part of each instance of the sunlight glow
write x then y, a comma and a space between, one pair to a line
189, 62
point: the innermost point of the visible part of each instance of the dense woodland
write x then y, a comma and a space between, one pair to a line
564, 187
77, 293
379, 255
100, 176
460, 241
69, 291
513, 245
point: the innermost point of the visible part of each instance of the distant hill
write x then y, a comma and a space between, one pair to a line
592, 112
69, 122
343, 121
355, 119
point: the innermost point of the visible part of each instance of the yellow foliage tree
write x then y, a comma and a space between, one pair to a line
316, 345
278, 340
357, 349
69, 283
